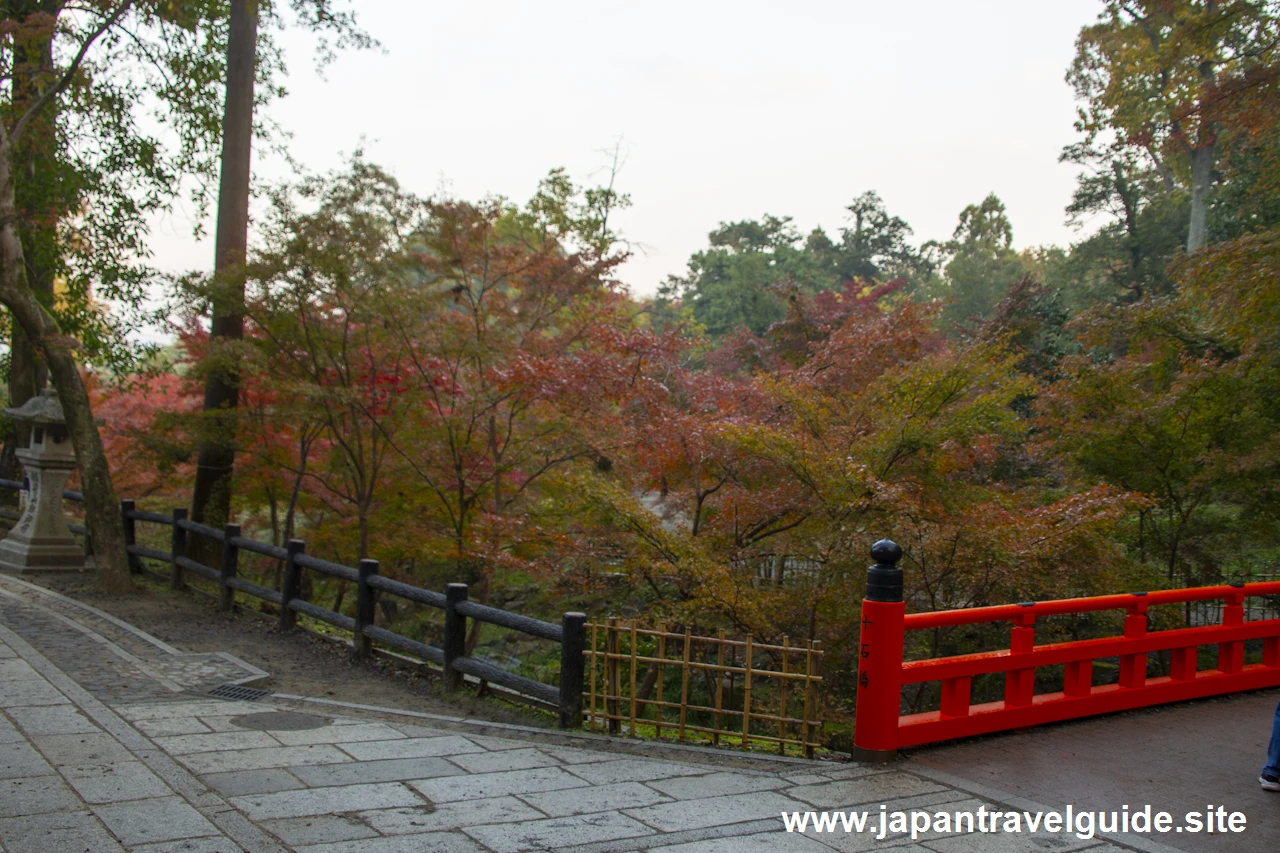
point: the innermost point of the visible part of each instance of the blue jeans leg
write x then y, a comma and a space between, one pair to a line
1273, 751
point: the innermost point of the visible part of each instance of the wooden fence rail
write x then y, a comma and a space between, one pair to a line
564, 698
779, 700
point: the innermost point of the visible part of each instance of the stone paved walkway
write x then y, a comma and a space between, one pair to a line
109, 742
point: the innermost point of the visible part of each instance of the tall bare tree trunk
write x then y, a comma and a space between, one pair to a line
1202, 160
211, 501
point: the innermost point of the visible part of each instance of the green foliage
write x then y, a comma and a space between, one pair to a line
981, 264
744, 279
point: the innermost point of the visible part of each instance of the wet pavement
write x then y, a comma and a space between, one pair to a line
110, 741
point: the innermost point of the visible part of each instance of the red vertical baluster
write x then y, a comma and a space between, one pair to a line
1133, 668
1231, 655
1020, 684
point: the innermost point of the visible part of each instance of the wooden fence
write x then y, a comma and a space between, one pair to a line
565, 699
723, 688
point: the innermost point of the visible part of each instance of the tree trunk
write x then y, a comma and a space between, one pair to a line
1202, 159
211, 501
102, 509
38, 203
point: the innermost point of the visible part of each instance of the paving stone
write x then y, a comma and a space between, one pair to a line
557, 832
53, 720
510, 759
179, 710
361, 772
999, 843
715, 785
869, 789
484, 785
860, 842
497, 743
313, 801
633, 770
9, 732
572, 755
340, 734
114, 783
717, 811
96, 748
29, 692
414, 730
834, 770
219, 723
148, 821
241, 782
215, 742
431, 842
19, 759
599, 798
260, 759
35, 795
170, 726
212, 844
805, 778
17, 669
446, 816
410, 748
319, 829
762, 842
6, 652
55, 833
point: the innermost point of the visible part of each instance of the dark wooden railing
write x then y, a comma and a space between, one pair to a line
565, 699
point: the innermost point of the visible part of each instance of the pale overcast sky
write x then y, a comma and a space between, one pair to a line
727, 110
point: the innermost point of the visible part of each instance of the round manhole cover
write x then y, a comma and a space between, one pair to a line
279, 721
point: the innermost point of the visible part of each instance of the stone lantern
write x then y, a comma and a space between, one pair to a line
40, 541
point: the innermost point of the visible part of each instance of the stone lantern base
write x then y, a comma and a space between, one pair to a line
40, 541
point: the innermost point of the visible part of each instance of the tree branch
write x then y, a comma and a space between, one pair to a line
67, 76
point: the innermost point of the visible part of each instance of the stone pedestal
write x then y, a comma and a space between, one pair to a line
40, 541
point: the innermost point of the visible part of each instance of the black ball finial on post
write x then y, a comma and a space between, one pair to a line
884, 579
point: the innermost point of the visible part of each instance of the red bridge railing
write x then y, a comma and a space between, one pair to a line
881, 729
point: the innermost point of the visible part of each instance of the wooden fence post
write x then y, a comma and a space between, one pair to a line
130, 533
230, 564
573, 643
366, 599
612, 687
177, 548
455, 634
289, 582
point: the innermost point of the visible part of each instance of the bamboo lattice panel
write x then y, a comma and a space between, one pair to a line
660, 682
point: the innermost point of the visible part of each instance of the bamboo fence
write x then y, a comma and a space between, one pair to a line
728, 688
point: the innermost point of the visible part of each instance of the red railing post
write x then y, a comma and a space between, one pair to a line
1133, 668
1231, 655
1020, 684
880, 642
1078, 678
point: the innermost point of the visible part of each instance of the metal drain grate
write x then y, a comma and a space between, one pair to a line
238, 693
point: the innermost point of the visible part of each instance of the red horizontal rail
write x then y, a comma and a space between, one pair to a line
918, 729
960, 666
881, 729
1061, 606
